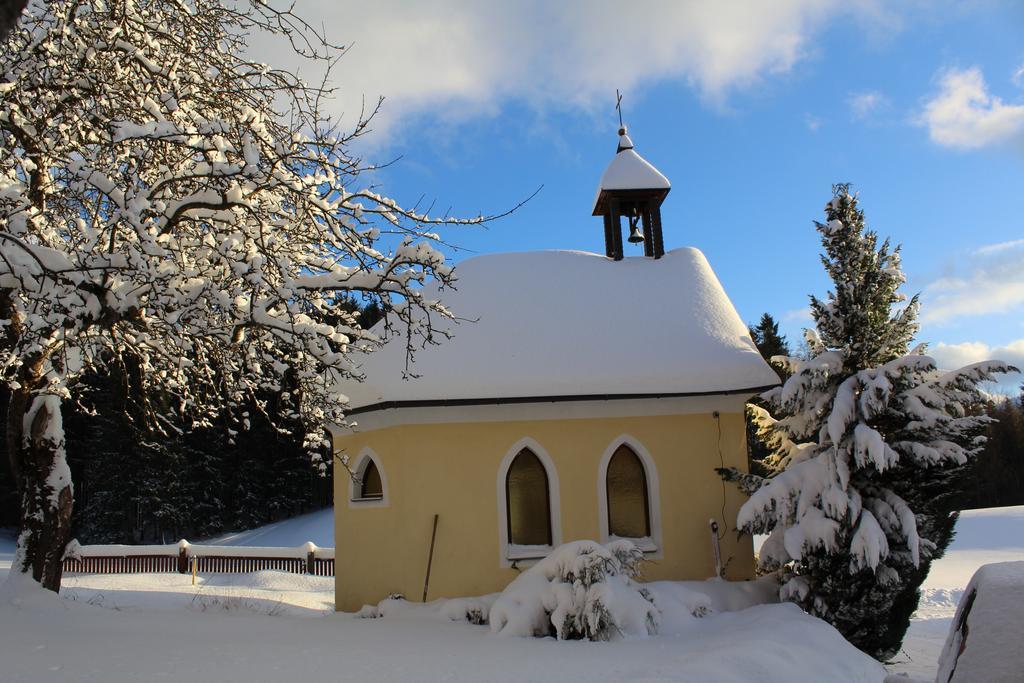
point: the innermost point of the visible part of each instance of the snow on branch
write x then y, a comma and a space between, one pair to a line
166, 199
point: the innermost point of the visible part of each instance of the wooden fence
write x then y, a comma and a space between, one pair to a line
183, 557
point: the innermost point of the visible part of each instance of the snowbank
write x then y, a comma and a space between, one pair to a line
681, 600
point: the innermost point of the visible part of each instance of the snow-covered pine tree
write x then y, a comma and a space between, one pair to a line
165, 198
862, 433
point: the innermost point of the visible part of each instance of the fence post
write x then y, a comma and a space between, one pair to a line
183, 556
310, 558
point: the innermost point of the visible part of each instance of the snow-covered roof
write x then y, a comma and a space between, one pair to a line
567, 323
629, 171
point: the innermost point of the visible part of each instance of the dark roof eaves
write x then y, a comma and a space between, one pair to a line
455, 402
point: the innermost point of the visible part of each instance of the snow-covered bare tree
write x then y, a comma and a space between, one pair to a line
167, 202
858, 431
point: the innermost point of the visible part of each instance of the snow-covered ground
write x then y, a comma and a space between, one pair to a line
270, 625
157, 628
317, 527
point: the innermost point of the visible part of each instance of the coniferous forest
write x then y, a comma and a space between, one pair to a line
135, 484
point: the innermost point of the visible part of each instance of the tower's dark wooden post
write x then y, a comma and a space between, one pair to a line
648, 212
631, 187
657, 241
608, 238
614, 216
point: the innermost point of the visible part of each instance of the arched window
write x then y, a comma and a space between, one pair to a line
527, 498
370, 487
629, 510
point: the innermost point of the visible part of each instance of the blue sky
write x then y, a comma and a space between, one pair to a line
752, 110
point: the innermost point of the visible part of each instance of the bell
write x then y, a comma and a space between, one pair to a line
635, 235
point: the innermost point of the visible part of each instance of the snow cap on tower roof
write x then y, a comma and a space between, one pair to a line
629, 171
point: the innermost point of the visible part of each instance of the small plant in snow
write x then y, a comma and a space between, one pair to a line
863, 436
235, 603
582, 590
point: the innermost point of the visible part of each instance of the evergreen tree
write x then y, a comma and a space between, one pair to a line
866, 435
9, 503
135, 486
996, 477
770, 343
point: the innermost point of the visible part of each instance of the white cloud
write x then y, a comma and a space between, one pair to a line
963, 114
953, 356
800, 315
1018, 76
990, 280
813, 123
460, 58
989, 249
864, 104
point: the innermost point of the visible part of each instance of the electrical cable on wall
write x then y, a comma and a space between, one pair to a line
721, 458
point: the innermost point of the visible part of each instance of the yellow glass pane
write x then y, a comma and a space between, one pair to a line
526, 489
372, 486
628, 512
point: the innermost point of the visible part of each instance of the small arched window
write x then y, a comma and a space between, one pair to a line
528, 501
629, 513
370, 485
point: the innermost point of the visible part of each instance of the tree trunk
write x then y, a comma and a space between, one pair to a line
44, 483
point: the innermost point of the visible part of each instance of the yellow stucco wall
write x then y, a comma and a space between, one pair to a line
452, 470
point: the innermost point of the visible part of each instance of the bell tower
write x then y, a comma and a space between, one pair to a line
632, 188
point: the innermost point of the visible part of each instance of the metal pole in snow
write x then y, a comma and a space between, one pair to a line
195, 561
715, 547
430, 559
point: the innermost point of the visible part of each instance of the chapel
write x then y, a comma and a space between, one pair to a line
592, 397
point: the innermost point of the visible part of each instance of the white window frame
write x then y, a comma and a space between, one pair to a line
650, 545
366, 456
510, 554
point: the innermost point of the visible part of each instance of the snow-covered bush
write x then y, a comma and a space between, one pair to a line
864, 435
582, 590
